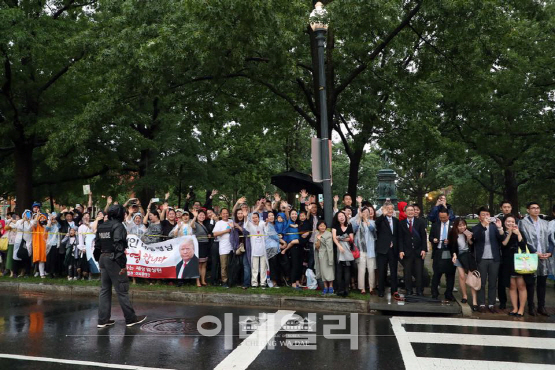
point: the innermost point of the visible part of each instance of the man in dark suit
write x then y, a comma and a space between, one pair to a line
387, 249
441, 255
187, 268
412, 249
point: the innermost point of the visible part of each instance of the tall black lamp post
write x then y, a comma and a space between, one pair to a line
319, 25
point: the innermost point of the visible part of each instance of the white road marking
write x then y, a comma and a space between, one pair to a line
479, 323
482, 340
413, 362
250, 348
409, 357
76, 362
443, 363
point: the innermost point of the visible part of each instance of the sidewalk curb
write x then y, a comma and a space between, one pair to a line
230, 299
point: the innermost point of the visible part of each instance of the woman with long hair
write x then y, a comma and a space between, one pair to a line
202, 230
342, 233
460, 242
514, 240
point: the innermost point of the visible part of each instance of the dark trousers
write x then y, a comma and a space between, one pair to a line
61, 267
383, 260
443, 267
489, 272
343, 276
540, 285
501, 289
52, 261
413, 265
296, 262
275, 271
110, 276
285, 264
215, 264
310, 251
24, 264
246, 270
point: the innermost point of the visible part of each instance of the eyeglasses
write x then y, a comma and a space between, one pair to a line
534, 207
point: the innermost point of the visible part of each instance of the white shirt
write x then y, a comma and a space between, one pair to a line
82, 231
258, 247
224, 243
390, 220
24, 232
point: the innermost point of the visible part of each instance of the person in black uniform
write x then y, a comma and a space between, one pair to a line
111, 241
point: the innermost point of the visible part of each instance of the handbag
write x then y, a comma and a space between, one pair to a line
474, 280
22, 252
526, 263
356, 252
3, 244
241, 249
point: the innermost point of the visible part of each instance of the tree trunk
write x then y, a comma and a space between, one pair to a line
23, 157
146, 193
511, 189
491, 194
354, 167
419, 195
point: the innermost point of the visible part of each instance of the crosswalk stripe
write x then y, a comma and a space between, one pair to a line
481, 340
444, 363
413, 362
76, 362
250, 348
479, 323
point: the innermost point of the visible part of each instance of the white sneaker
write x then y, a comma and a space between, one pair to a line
69, 278
75, 278
455, 289
37, 274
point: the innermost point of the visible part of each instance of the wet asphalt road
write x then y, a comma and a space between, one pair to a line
64, 328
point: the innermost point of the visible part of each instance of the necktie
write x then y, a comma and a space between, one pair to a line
444, 232
390, 224
410, 226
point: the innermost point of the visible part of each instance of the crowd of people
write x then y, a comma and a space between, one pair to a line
269, 244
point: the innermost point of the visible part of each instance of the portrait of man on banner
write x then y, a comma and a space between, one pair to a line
187, 267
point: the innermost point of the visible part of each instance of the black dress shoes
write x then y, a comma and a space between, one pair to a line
542, 311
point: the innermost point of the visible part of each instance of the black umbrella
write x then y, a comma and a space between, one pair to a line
293, 182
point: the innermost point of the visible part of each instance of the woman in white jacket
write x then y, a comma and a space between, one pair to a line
23, 239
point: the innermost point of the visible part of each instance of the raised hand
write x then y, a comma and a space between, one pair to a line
277, 198
214, 192
304, 194
359, 199
336, 198
109, 199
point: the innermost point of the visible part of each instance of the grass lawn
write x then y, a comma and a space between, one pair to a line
188, 287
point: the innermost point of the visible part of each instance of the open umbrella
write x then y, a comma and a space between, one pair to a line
293, 182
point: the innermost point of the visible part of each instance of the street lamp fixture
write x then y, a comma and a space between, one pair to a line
319, 18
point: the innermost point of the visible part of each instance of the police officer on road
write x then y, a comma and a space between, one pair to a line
111, 241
